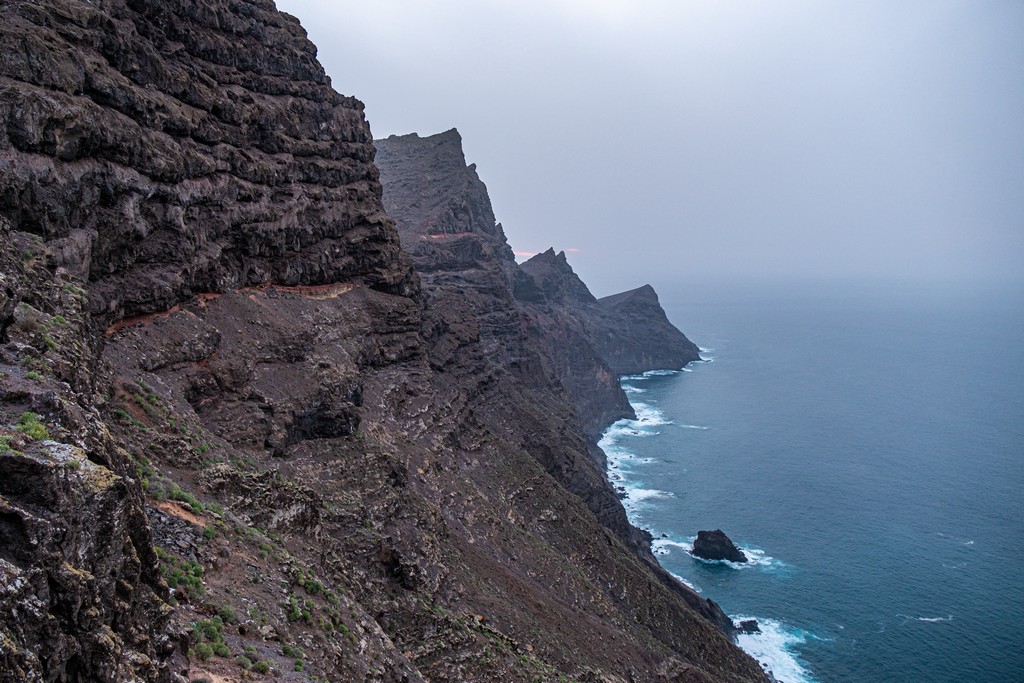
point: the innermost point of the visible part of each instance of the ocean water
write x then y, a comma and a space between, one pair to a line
865, 446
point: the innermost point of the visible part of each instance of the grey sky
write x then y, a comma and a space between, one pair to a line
673, 140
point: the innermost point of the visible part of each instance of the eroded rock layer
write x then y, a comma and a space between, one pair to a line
236, 438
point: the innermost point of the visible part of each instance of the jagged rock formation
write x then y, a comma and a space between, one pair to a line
635, 335
715, 545
627, 332
167, 149
80, 587
541, 311
260, 445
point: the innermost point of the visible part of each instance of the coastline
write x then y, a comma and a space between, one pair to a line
772, 647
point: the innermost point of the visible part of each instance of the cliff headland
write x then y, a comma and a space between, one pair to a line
262, 416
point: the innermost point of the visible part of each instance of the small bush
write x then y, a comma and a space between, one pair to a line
221, 650
226, 614
204, 651
178, 493
30, 426
261, 667
243, 662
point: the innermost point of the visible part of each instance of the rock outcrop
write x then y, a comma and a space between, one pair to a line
236, 433
715, 545
635, 335
80, 587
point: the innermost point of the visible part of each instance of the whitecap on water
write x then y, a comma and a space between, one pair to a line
686, 583
930, 620
663, 546
774, 648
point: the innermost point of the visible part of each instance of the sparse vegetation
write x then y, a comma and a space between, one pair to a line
227, 614
30, 426
181, 495
181, 574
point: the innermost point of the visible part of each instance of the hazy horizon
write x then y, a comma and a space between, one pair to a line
670, 142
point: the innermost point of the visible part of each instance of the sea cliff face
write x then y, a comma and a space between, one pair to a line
242, 431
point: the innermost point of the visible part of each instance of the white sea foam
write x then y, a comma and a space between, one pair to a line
686, 583
774, 649
703, 350
633, 390
660, 373
756, 557
693, 427
930, 620
663, 546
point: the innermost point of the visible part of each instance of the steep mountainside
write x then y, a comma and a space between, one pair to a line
548, 316
237, 438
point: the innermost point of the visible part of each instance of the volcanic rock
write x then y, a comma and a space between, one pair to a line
715, 545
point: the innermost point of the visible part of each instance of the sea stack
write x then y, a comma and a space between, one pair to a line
715, 545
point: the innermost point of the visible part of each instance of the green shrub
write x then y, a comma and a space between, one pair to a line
31, 427
221, 650
243, 661
204, 651
291, 651
178, 493
261, 667
226, 614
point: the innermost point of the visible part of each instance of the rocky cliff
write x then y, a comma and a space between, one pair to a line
237, 437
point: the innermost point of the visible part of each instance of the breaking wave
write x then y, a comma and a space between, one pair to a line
774, 648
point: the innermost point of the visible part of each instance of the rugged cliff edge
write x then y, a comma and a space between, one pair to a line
237, 437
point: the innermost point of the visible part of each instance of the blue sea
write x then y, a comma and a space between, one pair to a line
864, 444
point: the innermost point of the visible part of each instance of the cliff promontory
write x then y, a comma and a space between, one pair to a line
243, 434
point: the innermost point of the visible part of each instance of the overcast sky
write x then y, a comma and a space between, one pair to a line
676, 140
